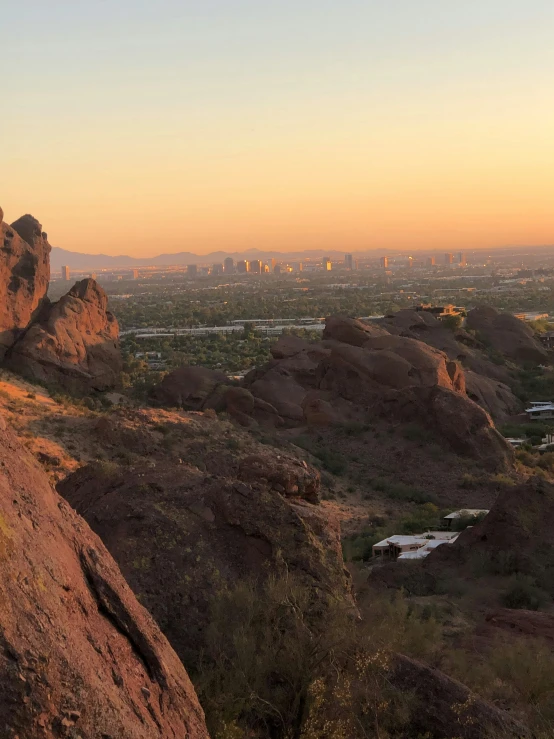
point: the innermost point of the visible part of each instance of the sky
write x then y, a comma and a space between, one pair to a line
140, 127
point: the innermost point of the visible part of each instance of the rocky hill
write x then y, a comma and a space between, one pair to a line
24, 276
78, 655
357, 373
203, 509
72, 344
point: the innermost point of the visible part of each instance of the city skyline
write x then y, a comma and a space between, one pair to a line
187, 126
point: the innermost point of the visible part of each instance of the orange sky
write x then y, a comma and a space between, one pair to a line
295, 126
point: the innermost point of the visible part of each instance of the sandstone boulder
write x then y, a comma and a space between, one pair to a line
446, 709
506, 334
79, 657
24, 277
188, 387
73, 344
350, 330
181, 535
495, 397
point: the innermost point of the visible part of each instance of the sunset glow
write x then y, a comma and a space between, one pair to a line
143, 128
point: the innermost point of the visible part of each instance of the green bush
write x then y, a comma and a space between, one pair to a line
524, 593
403, 492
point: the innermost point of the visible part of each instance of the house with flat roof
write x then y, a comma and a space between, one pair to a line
540, 411
464, 513
395, 547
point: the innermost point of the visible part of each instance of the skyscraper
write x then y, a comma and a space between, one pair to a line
431, 261
448, 258
327, 266
229, 266
410, 262
65, 274
462, 261
384, 262
348, 261
272, 264
256, 266
243, 266
192, 270
135, 274
217, 269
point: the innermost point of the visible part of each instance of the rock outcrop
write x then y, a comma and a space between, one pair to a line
362, 372
73, 344
181, 534
486, 381
516, 535
79, 657
506, 334
446, 709
24, 276
188, 387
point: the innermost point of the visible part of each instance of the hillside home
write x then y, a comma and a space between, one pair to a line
463, 513
540, 411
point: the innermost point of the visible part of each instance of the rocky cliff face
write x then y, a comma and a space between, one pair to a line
506, 334
486, 381
73, 344
24, 276
184, 525
79, 657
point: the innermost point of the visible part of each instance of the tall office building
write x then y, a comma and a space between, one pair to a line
217, 269
410, 262
277, 269
327, 266
384, 262
348, 261
431, 261
229, 266
448, 258
135, 274
192, 270
462, 261
243, 267
256, 266
65, 274
272, 264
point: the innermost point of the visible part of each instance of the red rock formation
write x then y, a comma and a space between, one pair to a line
24, 276
446, 709
79, 657
74, 344
505, 333
180, 534
188, 387
363, 371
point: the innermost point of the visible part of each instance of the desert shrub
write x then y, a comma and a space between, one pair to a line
401, 491
546, 461
524, 593
415, 432
355, 428
272, 667
526, 458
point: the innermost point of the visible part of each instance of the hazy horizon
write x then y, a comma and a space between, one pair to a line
226, 125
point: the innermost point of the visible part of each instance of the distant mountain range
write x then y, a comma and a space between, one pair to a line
77, 261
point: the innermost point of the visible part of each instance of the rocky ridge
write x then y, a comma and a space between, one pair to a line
72, 344
24, 276
356, 373
78, 655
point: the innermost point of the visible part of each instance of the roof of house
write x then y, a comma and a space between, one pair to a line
465, 512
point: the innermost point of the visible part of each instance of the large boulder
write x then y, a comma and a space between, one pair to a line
506, 334
444, 708
74, 343
24, 276
181, 535
79, 656
494, 396
360, 371
188, 387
